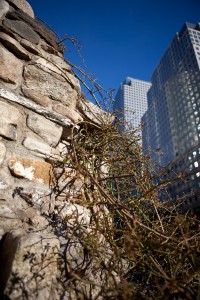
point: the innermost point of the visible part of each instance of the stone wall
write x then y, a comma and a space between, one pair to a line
40, 101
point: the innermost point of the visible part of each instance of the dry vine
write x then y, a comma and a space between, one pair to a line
144, 249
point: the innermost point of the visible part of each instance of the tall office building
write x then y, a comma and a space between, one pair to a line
131, 100
172, 120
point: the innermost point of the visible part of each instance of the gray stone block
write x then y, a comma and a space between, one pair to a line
36, 97
22, 29
40, 147
38, 27
49, 131
8, 131
48, 85
9, 121
4, 8
35, 263
10, 72
29, 46
24, 6
3, 184
93, 113
15, 47
2, 152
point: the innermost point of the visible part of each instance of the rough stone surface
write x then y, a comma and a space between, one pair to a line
2, 152
39, 197
3, 184
53, 116
93, 113
29, 46
6, 211
9, 113
48, 66
10, 72
36, 97
4, 8
9, 121
22, 29
42, 148
64, 149
47, 85
9, 224
57, 61
46, 129
14, 46
8, 131
24, 6
67, 112
35, 264
49, 49
45, 33
37, 171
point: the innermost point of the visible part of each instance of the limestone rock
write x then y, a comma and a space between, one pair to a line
49, 49
67, 112
37, 27
47, 85
8, 131
10, 213
42, 148
24, 6
39, 221
60, 62
36, 97
38, 197
8, 224
53, 116
47, 65
29, 46
46, 129
6, 212
2, 152
22, 29
4, 8
35, 263
93, 113
14, 46
34, 170
10, 72
63, 147
3, 184
9, 121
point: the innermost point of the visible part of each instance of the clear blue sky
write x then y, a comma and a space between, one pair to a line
119, 38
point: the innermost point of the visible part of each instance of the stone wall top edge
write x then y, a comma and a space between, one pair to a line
20, 11
23, 5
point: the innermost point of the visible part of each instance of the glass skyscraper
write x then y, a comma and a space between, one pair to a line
131, 100
172, 120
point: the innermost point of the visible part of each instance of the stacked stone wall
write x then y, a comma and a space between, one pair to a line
40, 101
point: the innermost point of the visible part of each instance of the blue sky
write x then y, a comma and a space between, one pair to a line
118, 38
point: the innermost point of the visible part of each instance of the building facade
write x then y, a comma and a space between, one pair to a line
172, 120
131, 101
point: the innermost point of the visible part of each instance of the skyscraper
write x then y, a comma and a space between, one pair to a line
131, 100
172, 120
